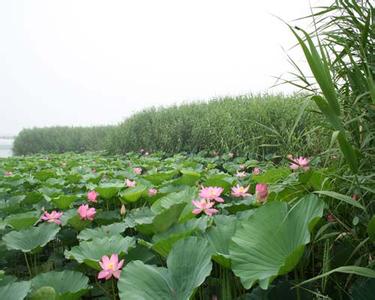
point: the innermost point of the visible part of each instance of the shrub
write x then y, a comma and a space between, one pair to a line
259, 125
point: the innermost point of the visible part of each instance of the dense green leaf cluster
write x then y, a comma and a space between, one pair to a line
272, 249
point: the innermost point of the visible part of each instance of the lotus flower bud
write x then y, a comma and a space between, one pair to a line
122, 210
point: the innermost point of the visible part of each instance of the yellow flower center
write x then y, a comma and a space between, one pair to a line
111, 266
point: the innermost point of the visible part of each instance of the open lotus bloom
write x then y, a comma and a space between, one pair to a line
299, 163
53, 217
110, 267
86, 213
241, 174
92, 195
152, 192
204, 206
261, 192
211, 193
7, 174
240, 191
130, 183
137, 171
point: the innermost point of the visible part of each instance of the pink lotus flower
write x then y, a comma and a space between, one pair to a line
204, 206
256, 171
240, 191
241, 174
137, 171
7, 174
130, 183
86, 213
301, 162
110, 267
211, 193
355, 197
53, 217
152, 192
91, 196
261, 192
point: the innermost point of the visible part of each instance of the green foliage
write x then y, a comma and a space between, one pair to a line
259, 125
189, 263
340, 54
271, 242
61, 139
278, 244
69, 285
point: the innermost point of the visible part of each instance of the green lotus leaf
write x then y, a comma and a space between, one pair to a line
219, 237
12, 204
67, 285
64, 201
33, 198
221, 180
103, 231
149, 222
90, 252
236, 205
44, 293
184, 196
164, 241
107, 217
22, 220
59, 182
15, 290
159, 178
44, 175
29, 239
133, 194
189, 263
272, 175
109, 190
77, 223
50, 192
73, 178
271, 241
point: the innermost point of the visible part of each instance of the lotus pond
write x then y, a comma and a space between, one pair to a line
90, 226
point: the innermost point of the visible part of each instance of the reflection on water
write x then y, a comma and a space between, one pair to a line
6, 147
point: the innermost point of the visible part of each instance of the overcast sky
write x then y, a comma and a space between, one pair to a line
77, 62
